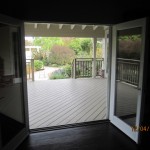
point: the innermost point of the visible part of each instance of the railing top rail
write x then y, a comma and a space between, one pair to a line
83, 58
129, 63
133, 60
89, 58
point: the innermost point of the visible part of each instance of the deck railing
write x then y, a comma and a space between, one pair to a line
30, 68
82, 67
128, 70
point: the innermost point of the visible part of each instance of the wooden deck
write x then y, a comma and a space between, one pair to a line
66, 101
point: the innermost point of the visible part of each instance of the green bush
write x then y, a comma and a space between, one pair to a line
67, 69
46, 61
38, 65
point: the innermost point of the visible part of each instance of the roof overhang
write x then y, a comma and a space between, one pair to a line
64, 30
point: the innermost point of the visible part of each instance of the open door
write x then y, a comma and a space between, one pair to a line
128, 41
13, 89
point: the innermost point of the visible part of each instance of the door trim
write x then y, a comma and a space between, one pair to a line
115, 120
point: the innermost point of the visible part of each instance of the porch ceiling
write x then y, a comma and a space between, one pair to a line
64, 30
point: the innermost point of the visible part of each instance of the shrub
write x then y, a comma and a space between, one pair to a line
58, 74
38, 65
46, 61
61, 55
67, 69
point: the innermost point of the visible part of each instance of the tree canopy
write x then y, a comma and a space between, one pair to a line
47, 43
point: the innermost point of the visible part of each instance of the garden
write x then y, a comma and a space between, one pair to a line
60, 52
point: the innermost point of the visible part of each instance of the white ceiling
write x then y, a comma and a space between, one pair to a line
64, 30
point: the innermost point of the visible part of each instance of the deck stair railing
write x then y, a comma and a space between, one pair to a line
128, 70
82, 67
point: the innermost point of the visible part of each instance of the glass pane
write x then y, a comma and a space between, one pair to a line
11, 94
127, 74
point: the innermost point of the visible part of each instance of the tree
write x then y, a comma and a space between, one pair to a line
61, 55
75, 44
47, 43
81, 45
86, 45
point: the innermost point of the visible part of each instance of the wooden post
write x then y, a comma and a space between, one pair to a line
94, 58
32, 68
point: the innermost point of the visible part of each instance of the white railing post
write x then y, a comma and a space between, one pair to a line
94, 58
74, 69
32, 68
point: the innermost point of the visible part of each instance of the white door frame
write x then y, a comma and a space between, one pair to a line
14, 142
114, 119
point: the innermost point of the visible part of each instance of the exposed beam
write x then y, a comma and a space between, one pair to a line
95, 27
60, 26
35, 25
83, 27
48, 26
72, 26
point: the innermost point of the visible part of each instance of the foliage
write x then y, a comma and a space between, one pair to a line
58, 74
61, 55
130, 37
28, 43
75, 44
62, 51
47, 43
39, 55
38, 65
86, 45
99, 53
129, 47
55, 65
67, 69
81, 45
63, 73
46, 61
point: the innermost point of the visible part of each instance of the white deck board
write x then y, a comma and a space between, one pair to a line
66, 101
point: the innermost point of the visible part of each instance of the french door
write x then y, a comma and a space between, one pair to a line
126, 76
13, 91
